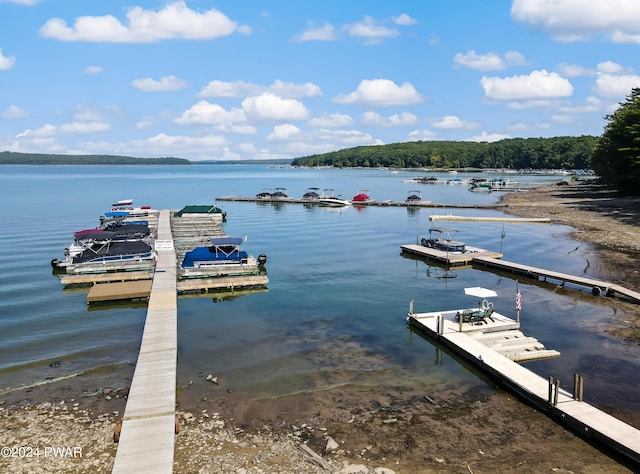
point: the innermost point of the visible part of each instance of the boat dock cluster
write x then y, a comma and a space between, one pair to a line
118, 259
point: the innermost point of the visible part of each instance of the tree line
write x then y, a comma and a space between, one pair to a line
12, 158
513, 153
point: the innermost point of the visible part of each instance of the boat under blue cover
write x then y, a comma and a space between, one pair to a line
223, 251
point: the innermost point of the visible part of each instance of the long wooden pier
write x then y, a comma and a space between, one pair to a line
566, 408
147, 435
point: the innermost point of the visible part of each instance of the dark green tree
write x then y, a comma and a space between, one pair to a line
616, 157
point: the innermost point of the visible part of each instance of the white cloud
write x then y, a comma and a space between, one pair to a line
610, 67
574, 20
14, 112
404, 118
180, 142
244, 89
404, 20
520, 126
294, 91
488, 137
574, 70
175, 20
591, 104
92, 70
452, 122
370, 31
22, 2
611, 85
272, 107
206, 113
283, 132
381, 92
84, 127
231, 89
330, 121
168, 83
47, 130
488, 61
6, 62
422, 135
324, 33
537, 85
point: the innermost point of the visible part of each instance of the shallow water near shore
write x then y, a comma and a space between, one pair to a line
333, 316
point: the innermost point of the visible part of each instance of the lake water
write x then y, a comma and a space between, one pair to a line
334, 311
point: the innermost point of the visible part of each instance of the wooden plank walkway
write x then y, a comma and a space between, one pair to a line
583, 418
109, 277
123, 290
147, 438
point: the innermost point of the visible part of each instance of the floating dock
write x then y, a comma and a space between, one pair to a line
450, 258
545, 394
598, 287
129, 290
117, 281
488, 259
372, 203
449, 217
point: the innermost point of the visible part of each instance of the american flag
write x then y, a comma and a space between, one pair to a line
518, 302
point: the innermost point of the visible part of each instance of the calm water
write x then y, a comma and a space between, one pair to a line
334, 312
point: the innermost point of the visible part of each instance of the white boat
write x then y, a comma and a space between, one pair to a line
334, 201
327, 198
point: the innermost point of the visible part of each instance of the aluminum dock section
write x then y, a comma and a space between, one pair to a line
450, 258
566, 408
147, 437
597, 286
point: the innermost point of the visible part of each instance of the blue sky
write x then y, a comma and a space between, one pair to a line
255, 79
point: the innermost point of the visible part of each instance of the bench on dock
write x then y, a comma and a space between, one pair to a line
475, 317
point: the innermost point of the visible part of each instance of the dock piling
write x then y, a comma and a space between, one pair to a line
578, 387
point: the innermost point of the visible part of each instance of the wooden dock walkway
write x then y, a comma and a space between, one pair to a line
147, 436
566, 408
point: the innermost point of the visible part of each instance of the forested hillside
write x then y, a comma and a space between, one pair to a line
10, 158
514, 153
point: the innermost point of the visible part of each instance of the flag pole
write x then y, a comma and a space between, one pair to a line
518, 303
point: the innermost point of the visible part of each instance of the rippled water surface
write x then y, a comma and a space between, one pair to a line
334, 311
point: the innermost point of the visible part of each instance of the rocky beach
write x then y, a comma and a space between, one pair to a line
65, 427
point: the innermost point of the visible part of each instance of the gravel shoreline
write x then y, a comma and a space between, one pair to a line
381, 433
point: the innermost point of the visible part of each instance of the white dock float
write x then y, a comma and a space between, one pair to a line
449, 217
583, 418
147, 436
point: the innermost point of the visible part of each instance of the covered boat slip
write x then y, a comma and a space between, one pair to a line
124, 280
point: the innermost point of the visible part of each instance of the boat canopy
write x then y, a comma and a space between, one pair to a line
116, 214
226, 241
197, 209
95, 235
